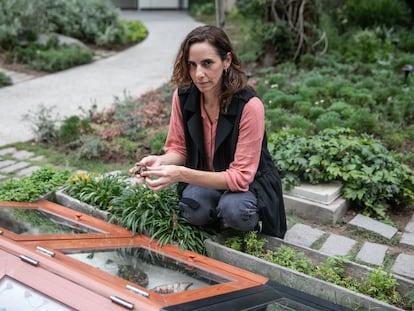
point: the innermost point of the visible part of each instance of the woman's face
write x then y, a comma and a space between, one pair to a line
206, 67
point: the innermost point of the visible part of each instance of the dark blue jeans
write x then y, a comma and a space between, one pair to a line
204, 206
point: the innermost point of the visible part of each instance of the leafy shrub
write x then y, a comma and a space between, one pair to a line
72, 128
33, 187
328, 120
21, 20
373, 13
91, 21
374, 178
63, 58
5, 80
43, 124
136, 31
90, 147
363, 120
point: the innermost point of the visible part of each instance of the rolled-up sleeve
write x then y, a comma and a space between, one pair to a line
242, 170
175, 141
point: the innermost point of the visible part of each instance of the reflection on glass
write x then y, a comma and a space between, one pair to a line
149, 269
287, 304
33, 221
15, 296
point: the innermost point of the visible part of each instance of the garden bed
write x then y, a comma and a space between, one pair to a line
301, 281
63, 199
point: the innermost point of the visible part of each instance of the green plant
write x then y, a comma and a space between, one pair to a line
157, 215
33, 187
72, 128
138, 209
377, 283
157, 142
136, 30
89, 147
91, 21
21, 20
5, 80
65, 57
43, 123
96, 190
373, 13
381, 285
374, 178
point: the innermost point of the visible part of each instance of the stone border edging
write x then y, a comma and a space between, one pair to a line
294, 279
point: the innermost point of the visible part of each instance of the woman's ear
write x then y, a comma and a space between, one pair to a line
227, 60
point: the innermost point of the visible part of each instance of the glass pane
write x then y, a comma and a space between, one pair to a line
287, 304
149, 269
15, 296
26, 221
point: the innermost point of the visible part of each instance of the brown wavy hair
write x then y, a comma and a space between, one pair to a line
233, 80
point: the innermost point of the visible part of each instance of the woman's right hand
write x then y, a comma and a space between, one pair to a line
151, 160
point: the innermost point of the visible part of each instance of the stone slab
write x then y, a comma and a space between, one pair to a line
320, 193
327, 214
337, 245
14, 167
407, 239
5, 151
304, 235
38, 158
372, 253
6, 163
373, 225
27, 171
410, 226
23, 155
404, 265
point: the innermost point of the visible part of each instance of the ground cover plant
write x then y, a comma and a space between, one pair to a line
378, 283
137, 208
37, 185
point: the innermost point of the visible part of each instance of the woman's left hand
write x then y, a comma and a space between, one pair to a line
160, 177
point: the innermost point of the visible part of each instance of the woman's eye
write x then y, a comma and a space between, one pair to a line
206, 63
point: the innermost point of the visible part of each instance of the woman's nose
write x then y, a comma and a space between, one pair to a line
199, 71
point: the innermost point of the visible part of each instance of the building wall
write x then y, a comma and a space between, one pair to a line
151, 4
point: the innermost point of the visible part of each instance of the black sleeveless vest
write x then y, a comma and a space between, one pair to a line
266, 184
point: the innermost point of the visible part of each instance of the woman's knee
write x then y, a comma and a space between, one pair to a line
238, 210
198, 205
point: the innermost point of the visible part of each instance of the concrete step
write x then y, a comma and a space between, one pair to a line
321, 203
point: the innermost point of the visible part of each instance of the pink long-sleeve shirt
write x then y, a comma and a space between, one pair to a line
242, 170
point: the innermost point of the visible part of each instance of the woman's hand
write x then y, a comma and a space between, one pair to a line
142, 165
161, 176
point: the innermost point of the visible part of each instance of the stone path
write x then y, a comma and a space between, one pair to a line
373, 254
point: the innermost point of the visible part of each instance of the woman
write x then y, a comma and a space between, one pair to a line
216, 148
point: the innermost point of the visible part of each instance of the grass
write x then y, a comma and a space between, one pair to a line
59, 160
